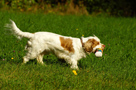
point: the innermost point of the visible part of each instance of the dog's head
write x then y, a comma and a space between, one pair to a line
91, 44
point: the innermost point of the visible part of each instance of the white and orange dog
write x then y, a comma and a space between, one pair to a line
68, 48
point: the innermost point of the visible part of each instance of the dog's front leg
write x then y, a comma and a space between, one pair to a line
74, 64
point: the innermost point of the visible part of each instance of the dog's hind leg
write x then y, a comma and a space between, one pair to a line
30, 55
25, 59
40, 58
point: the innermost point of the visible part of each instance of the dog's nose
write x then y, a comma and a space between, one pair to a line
104, 46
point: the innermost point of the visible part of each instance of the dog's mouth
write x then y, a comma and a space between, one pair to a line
95, 51
98, 49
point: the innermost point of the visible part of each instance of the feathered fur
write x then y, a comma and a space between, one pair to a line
68, 48
17, 32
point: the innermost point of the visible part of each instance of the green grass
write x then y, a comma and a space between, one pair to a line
116, 70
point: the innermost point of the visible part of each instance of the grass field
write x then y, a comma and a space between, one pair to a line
116, 70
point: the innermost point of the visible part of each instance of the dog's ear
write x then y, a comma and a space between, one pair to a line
94, 35
90, 44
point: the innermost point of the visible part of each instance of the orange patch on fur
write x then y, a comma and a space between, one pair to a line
90, 44
66, 43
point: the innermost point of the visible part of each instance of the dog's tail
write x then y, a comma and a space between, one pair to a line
17, 32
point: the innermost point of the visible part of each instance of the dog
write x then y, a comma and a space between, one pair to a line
68, 48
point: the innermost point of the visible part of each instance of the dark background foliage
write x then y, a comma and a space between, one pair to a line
110, 7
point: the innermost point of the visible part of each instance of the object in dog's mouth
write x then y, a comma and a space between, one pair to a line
99, 52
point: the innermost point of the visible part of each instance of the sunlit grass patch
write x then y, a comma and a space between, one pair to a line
115, 70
